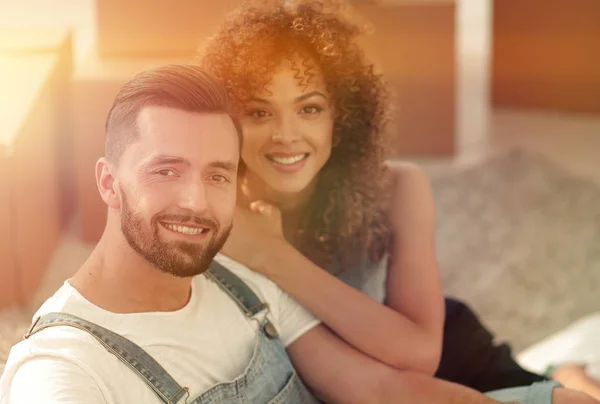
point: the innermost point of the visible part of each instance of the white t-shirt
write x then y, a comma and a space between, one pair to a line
206, 342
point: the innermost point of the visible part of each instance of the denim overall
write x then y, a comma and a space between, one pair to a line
537, 393
268, 378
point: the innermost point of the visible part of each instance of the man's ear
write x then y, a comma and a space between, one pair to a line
107, 185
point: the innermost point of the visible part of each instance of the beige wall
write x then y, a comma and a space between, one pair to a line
157, 28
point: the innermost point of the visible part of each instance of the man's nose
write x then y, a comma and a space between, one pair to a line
193, 197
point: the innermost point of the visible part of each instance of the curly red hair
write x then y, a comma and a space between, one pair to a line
346, 216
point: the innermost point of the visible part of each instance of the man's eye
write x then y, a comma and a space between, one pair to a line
220, 178
167, 173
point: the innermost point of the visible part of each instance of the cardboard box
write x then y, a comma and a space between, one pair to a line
414, 43
9, 284
545, 55
30, 201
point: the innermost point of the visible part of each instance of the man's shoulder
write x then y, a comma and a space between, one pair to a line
65, 298
59, 342
54, 380
66, 348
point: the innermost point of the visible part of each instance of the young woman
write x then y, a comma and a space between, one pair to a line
312, 112
320, 212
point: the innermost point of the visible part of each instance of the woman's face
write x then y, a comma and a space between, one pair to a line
288, 131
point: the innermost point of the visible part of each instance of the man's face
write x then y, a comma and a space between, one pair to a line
177, 184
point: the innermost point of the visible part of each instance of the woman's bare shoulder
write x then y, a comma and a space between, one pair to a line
408, 180
411, 198
406, 171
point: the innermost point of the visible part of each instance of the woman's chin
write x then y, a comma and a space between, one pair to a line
290, 188
290, 193
276, 188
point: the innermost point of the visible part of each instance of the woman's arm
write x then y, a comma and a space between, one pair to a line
406, 335
337, 373
371, 327
413, 285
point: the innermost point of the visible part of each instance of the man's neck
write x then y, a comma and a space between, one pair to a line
118, 280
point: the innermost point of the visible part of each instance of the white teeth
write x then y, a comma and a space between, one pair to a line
184, 229
288, 160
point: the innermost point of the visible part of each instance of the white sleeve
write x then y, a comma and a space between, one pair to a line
51, 380
291, 319
593, 370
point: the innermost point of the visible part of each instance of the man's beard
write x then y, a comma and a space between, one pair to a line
178, 258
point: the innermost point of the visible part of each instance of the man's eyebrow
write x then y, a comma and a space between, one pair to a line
166, 159
225, 165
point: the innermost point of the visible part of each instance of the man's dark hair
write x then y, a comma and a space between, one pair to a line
185, 87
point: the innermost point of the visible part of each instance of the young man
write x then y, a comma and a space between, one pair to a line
151, 318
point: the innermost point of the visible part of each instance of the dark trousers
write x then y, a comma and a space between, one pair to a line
470, 357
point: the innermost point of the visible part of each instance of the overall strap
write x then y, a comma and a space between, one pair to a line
153, 374
241, 294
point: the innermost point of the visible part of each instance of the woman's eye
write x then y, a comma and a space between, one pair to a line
311, 109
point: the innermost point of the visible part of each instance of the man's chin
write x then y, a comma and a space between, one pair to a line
185, 259
185, 270
184, 263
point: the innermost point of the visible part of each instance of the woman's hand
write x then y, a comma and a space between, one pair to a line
257, 232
